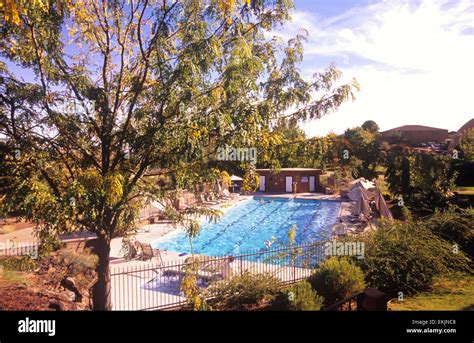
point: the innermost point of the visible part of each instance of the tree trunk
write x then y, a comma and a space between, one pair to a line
102, 300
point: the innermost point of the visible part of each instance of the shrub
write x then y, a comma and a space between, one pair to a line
80, 266
18, 263
244, 291
78, 263
49, 244
454, 225
405, 256
299, 297
128, 248
7, 228
336, 279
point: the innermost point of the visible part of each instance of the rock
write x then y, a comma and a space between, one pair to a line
70, 284
55, 305
68, 296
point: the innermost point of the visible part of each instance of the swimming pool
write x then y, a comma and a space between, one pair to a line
248, 225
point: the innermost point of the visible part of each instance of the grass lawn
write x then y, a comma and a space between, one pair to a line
454, 293
465, 190
12, 277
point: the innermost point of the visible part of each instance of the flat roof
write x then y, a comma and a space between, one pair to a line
291, 169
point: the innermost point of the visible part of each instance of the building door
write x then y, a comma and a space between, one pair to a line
289, 184
312, 186
261, 186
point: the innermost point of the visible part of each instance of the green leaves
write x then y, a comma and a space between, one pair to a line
404, 257
424, 181
113, 188
251, 179
155, 85
337, 278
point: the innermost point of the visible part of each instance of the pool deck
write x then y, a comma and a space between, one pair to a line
151, 232
307, 196
138, 285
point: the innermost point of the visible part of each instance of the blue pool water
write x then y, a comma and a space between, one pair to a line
248, 225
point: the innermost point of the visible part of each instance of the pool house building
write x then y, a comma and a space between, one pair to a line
289, 180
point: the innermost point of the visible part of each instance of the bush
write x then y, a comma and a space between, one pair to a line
18, 263
49, 244
78, 263
244, 291
336, 279
299, 297
454, 225
405, 256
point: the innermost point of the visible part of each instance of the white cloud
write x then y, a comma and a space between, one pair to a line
414, 62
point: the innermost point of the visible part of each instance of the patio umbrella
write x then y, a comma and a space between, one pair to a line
361, 182
381, 205
235, 178
355, 192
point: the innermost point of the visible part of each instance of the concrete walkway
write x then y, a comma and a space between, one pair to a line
19, 236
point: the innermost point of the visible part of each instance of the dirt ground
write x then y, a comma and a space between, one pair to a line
51, 285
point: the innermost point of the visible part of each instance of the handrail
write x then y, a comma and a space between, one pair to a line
338, 305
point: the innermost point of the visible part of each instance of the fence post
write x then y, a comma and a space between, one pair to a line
293, 261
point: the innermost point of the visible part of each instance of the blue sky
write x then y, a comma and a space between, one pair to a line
413, 59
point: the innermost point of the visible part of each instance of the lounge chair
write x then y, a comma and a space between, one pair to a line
147, 252
218, 269
202, 201
208, 271
212, 198
225, 194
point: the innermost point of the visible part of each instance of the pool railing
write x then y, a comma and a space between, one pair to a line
157, 286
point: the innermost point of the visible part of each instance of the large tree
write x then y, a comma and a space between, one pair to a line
365, 149
154, 84
424, 182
